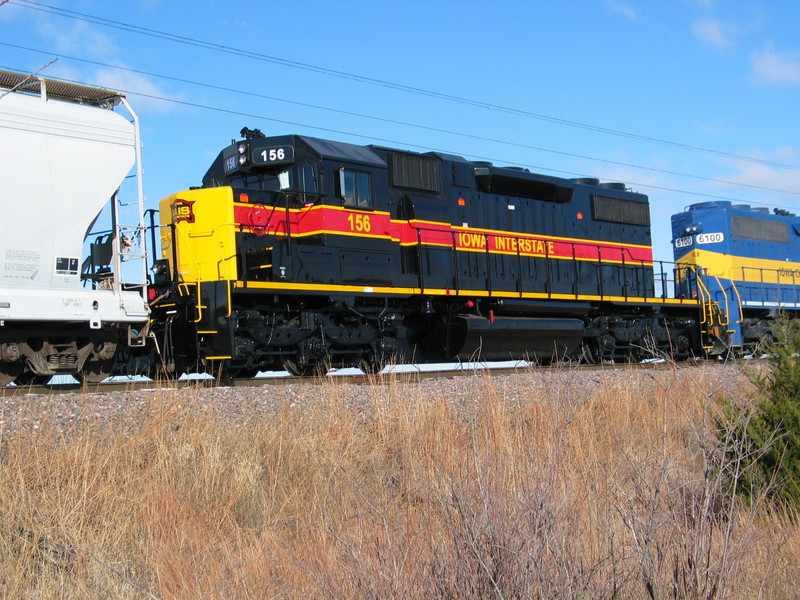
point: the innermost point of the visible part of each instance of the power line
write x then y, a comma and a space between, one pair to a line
396, 142
406, 124
380, 82
29, 77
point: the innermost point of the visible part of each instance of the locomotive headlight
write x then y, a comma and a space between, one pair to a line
242, 159
242, 148
159, 267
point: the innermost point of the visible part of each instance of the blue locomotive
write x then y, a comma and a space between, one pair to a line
742, 264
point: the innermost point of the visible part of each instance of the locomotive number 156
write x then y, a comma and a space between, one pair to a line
359, 223
273, 155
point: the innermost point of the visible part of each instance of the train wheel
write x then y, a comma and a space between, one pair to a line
31, 378
294, 368
371, 365
590, 352
764, 342
9, 372
243, 373
320, 368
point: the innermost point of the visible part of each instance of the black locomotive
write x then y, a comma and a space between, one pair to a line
302, 253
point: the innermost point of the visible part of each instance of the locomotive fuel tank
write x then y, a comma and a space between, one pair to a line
477, 338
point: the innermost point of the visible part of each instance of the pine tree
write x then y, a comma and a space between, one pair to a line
772, 436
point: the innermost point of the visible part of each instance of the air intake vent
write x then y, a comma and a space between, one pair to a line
415, 171
620, 210
760, 229
510, 182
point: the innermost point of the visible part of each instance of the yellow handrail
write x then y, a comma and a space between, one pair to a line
739, 301
705, 295
727, 306
195, 284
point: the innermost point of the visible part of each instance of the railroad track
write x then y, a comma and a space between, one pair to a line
401, 373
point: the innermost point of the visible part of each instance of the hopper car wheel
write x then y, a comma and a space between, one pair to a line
31, 378
9, 373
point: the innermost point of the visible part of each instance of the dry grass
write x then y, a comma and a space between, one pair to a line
411, 494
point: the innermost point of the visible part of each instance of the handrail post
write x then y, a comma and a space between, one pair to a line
288, 226
519, 267
576, 282
420, 275
455, 263
549, 283
488, 264
625, 284
600, 287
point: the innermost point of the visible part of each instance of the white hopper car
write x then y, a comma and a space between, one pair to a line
65, 153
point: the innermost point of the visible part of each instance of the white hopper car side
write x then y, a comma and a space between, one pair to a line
65, 153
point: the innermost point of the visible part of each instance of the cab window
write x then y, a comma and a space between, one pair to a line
307, 183
355, 188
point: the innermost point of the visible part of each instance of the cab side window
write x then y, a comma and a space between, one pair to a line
307, 183
355, 188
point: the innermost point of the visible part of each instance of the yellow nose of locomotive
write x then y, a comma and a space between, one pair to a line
198, 234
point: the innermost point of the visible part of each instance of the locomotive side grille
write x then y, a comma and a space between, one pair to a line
619, 210
759, 229
415, 171
508, 182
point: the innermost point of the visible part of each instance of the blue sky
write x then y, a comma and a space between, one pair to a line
683, 100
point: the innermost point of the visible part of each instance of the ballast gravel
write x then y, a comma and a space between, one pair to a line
124, 411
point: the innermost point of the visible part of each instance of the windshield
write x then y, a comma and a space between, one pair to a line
264, 181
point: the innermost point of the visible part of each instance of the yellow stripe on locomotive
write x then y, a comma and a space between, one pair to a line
744, 269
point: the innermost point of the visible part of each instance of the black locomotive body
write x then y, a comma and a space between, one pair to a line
300, 252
